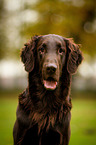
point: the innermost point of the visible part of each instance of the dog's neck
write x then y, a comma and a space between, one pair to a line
38, 93
44, 106
43, 98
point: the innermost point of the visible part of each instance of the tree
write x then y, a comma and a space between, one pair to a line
69, 18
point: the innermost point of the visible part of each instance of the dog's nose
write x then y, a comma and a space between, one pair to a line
51, 68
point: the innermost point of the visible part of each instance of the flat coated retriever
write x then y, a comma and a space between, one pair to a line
43, 112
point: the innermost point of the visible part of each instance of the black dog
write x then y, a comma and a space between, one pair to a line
43, 113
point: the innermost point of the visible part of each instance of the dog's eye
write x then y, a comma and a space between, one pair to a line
60, 51
41, 50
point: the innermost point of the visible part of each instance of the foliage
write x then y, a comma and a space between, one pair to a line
69, 18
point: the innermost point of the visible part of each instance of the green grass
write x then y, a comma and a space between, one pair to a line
83, 120
7, 118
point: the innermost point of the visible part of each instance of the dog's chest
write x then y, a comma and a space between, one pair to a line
47, 121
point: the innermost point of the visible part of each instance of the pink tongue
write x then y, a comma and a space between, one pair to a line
50, 84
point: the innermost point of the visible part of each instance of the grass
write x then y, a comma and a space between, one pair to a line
7, 118
83, 122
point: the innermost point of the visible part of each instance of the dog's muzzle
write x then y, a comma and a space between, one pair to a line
50, 81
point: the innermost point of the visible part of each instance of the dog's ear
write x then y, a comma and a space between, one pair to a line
74, 56
27, 54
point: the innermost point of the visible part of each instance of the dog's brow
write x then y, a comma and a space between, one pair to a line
58, 44
44, 44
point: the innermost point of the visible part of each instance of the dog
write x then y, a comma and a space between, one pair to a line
43, 112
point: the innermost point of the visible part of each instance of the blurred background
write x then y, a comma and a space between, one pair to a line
22, 19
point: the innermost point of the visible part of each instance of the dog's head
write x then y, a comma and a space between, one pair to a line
51, 52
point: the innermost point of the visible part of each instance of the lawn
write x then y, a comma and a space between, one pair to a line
83, 122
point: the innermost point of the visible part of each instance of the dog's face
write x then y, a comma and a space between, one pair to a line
52, 51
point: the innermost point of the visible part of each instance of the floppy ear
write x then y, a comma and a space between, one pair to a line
27, 55
75, 56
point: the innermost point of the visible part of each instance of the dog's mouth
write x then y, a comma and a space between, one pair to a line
50, 84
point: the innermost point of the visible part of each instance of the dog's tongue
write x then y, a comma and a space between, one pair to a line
51, 85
